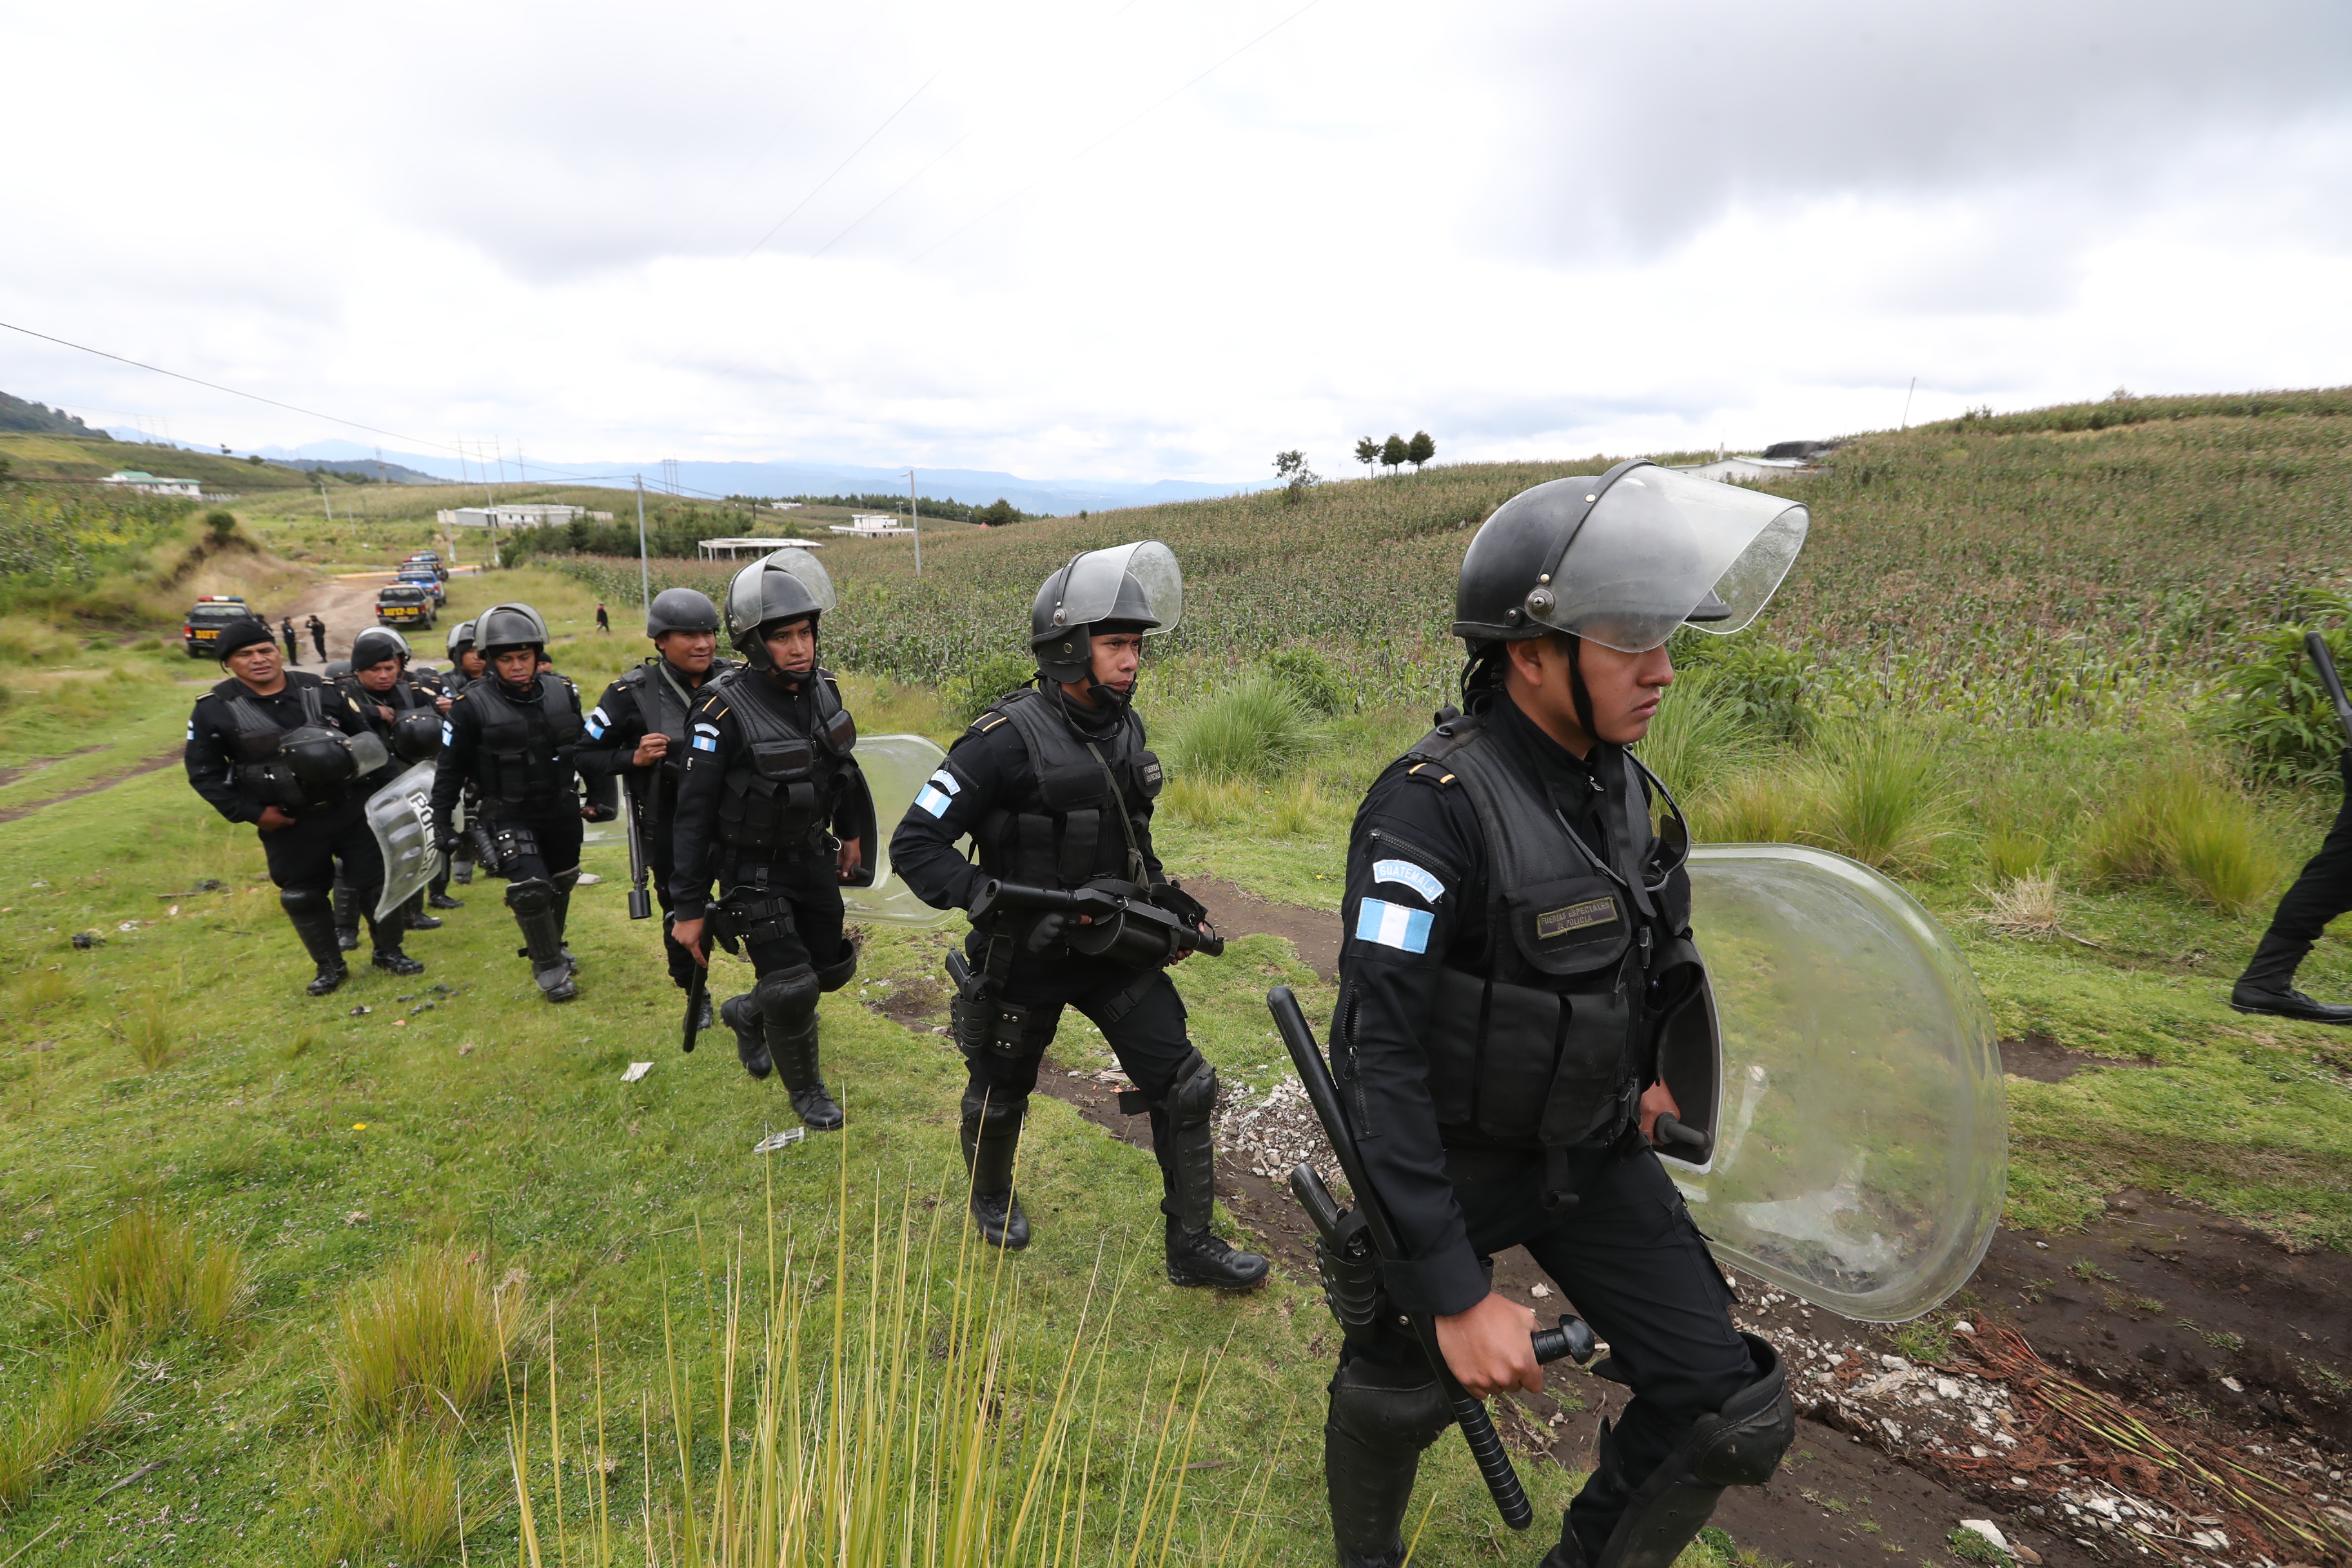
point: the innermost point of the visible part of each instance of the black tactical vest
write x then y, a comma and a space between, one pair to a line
258, 774
665, 704
1083, 814
523, 759
779, 792
1551, 1039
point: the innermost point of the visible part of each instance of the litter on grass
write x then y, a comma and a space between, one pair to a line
637, 1070
775, 1140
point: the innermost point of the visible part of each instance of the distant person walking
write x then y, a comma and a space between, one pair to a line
287, 629
318, 636
604, 621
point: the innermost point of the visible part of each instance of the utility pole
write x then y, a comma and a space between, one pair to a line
325, 502
915, 520
1906, 403
645, 571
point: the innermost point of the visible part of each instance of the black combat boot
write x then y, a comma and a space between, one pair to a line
1184, 1136
313, 916
534, 903
1198, 1258
346, 917
2268, 984
793, 1047
741, 1014
385, 935
991, 1141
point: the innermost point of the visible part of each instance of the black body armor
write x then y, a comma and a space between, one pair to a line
1587, 964
1082, 818
261, 773
665, 704
524, 763
784, 789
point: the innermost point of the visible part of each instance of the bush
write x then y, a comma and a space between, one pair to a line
221, 523
424, 1342
2276, 715
2179, 824
1764, 685
979, 685
1880, 794
1256, 728
1310, 676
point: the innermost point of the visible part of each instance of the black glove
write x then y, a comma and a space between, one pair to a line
1172, 897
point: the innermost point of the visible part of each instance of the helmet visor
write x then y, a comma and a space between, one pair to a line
1656, 545
1090, 591
805, 566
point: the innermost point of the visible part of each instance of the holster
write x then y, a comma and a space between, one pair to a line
981, 1021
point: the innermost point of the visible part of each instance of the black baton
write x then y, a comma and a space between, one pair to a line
2317, 646
1477, 1427
641, 904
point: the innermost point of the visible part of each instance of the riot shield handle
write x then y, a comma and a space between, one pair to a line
2317, 646
1470, 1415
1672, 1129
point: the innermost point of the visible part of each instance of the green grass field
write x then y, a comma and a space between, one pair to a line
2043, 607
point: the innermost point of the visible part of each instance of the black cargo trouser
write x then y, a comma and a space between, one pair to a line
548, 846
807, 932
2321, 893
1629, 1258
1141, 1018
304, 857
659, 863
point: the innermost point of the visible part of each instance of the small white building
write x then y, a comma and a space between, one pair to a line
156, 485
1745, 471
874, 525
518, 514
713, 549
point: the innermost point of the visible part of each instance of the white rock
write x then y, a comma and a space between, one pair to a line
1892, 1363
1979, 1451
1945, 1388
2233, 1386
1964, 1327
1892, 1429
1988, 1530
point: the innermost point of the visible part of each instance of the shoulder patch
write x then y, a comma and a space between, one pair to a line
1400, 926
1406, 874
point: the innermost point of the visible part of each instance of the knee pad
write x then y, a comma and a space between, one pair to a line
994, 1110
1387, 1409
300, 901
1741, 1445
565, 880
832, 976
788, 995
530, 895
1193, 1099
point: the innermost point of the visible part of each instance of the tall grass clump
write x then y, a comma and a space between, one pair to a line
147, 1277
899, 1402
1880, 794
1257, 728
2179, 824
1699, 735
1764, 805
402, 1489
424, 1342
71, 1406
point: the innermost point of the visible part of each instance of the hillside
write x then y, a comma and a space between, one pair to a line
54, 456
16, 414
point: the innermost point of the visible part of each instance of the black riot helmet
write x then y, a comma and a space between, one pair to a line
461, 638
774, 591
1133, 588
375, 645
323, 758
416, 735
680, 610
503, 627
1622, 559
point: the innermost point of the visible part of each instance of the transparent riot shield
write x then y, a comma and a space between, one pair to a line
1861, 1135
896, 768
400, 815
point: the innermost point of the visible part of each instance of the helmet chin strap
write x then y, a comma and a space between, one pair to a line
1576, 689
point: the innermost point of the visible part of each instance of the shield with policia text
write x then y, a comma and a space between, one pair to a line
896, 768
1860, 1140
400, 815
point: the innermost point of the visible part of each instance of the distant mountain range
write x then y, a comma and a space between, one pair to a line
973, 486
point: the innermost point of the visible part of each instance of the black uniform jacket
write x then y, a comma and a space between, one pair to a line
616, 725
717, 742
1417, 902
461, 738
212, 749
991, 770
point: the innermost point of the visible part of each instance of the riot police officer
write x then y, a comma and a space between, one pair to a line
1516, 953
1054, 785
465, 659
773, 804
286, 752
402, 708
510, 734
637, 731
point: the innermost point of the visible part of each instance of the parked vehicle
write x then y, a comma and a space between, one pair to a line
425, 578
428, 558
206, 619
403, 604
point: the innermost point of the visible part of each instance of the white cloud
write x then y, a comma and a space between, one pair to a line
1532, 231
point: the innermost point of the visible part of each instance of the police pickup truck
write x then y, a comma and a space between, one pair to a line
403, 604
202, 628
425, 577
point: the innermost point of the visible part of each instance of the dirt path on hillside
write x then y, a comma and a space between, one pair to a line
2196, 1341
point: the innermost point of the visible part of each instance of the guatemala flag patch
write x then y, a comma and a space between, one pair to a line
1400, 926
938, 792
597, 720
447, 734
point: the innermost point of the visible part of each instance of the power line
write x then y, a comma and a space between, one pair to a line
1123, 126
233, 392
837, 168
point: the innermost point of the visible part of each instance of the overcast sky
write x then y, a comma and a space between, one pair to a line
1137, 240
